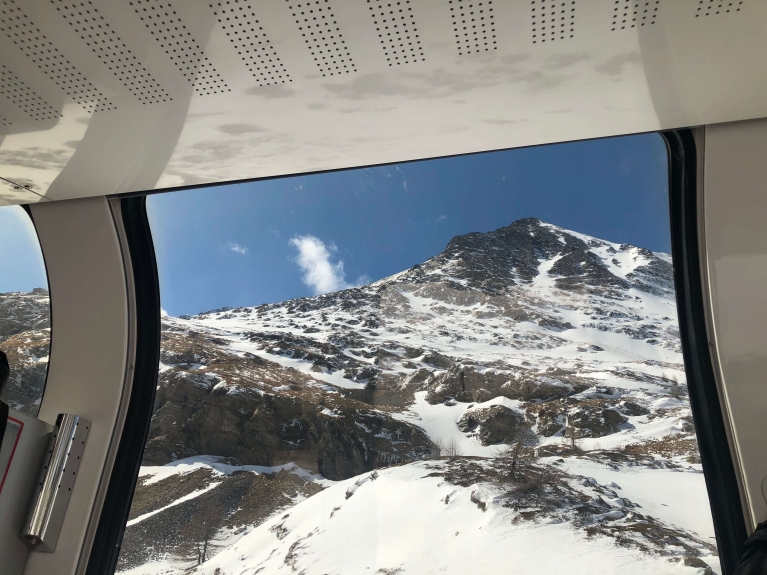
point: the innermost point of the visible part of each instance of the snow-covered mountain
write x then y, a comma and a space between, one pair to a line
515, 403
372, 430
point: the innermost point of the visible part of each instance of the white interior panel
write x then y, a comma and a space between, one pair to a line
201, 92
89, 346
735, 206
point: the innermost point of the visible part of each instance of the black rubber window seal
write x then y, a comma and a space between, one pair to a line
718, 467
122, 483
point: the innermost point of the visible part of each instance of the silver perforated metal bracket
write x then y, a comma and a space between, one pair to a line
54, 486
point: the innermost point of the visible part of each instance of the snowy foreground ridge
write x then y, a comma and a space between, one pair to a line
516, 404
410, 520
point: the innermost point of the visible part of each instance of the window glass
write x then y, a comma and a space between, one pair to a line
24, 311
450, 366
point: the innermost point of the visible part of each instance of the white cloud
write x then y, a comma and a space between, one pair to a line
320, 273
441, 218
237, 248
404, 177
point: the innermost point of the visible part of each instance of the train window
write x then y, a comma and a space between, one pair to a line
25, 326
450, 365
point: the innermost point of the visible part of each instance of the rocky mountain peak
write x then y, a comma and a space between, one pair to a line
530, 250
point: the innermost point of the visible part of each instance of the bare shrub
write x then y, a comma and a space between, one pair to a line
521, 452
572, 435
452, 450
535, 478
200, 532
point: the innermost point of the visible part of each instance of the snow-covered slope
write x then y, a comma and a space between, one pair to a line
531, 335
414, 519
530, 292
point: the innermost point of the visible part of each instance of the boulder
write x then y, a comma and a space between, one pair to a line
494, 424
438, 360
633, 408
612, 417
589, 420
549, 418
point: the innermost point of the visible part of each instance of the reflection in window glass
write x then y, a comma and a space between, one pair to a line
24, 311
449, 366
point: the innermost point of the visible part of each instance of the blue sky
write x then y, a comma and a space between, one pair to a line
21, 260
248, 244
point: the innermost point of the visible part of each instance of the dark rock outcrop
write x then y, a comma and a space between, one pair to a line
201, 410
467, 384
494, 424
25, 338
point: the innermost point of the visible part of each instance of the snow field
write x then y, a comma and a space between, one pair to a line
401, 521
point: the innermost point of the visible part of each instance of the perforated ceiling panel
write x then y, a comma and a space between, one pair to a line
11, 192
395, 24
629, 14
473, 26
716, 7
189, 92
167, 28
552, 20
100, 37
24, 97
319, 29
41, 52
238, 19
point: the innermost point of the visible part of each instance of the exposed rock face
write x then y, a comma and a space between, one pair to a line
586, 417
590, 420
494, 424
24, 311
548, 418
466, 384
213, 402
494, 262
25, 338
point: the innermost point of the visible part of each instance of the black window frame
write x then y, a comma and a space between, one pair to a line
107, 541
716, 458
717, 461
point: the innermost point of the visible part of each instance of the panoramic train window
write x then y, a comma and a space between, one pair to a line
25, 322
456, 366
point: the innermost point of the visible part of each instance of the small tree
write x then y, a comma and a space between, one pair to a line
200, 531
160, 545
452, 450
572, 435
675, 390
521, 451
